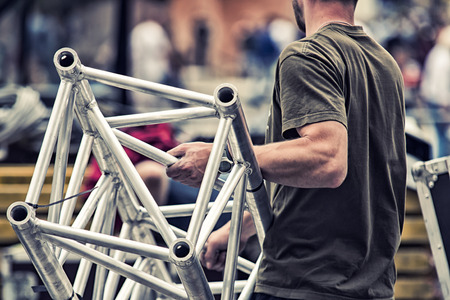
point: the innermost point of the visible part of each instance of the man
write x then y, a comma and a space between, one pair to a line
334, 162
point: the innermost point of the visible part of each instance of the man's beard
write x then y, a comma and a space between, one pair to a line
299, 17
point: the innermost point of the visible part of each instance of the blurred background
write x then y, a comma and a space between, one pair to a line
198, 44
194, 44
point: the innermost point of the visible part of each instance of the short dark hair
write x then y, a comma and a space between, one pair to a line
348, 1
344, 1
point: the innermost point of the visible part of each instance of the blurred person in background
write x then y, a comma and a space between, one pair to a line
402, 51
150, 58
435, 90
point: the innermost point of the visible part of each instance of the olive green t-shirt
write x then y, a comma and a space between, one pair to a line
338, 243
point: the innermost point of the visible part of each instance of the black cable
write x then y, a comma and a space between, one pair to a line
36, 206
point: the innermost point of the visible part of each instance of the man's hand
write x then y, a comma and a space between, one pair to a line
190, 168
214, 252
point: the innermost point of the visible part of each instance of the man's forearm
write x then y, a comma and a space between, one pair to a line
248, 227
317, 159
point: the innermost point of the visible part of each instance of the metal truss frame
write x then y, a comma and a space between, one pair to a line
121, 191
426, 175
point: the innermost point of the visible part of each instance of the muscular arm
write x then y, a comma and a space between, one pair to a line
318, 159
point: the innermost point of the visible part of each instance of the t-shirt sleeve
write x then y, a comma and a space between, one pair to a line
310, 92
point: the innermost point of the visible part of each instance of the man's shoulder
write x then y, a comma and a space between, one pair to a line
300, 48
294, 48
322, 44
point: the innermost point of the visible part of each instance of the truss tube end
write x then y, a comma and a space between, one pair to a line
182, 255
24, 222
67, 63
20, 214
227, 100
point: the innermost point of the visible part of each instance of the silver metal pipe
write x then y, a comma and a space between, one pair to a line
247, 291
185, 210
261, 215
83, 270
108, 229
127, 287
126, 165
149, 222
228, 103
219, 204
104, 240
233, 240
85, 265
103, 156
83, 120
22, 219
209, 178
99, 278
76, 179
245, 265
112, 280
48, 144
183, 256
139, 85
167, 116
145, 149
217, 286
61, 157
119, 267
128, 206
146, 236
138, 291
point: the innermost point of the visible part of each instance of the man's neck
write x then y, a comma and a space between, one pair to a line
319, 14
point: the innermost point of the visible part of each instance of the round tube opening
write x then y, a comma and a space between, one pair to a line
19, 213
181, 249
66, 59
226, 94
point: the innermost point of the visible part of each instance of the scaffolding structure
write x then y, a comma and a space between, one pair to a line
121, 191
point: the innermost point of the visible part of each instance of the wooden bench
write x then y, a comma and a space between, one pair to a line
14, 184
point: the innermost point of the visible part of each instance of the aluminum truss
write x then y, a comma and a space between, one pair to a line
121, 191
431, 179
